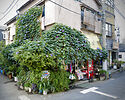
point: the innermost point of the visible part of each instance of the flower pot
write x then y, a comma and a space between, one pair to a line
115, 67
10, 76
102, 78
30, 90
40, 91
21, 87
1, 71
44, 92
26, 88
15, 79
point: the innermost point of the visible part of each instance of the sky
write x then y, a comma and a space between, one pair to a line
4, 5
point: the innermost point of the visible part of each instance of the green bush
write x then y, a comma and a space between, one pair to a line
59, 80
28, 25
33, 55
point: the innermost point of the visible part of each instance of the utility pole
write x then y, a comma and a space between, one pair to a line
104, 31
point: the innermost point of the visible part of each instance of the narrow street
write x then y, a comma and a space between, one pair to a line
112, 89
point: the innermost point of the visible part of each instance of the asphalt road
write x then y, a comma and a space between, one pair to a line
112, 89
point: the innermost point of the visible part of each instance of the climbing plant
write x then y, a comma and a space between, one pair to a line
28, 24
66, 43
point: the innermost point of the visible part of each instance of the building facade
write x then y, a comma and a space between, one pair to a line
120, 23
83, 15
10, 31
111, 43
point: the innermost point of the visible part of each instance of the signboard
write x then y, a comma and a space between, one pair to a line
90, 69
45, 74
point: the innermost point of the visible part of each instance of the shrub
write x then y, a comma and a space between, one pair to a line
28, 25
33, 55
59, 80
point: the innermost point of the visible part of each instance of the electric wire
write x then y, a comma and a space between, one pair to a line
65, 8
8, 7
9, 11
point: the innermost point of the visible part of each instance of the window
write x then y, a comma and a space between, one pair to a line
108, 28
13, 37
4, 36
120, 56
43, 13
82, 15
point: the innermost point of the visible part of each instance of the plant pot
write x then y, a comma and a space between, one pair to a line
115, 67
40, 91
21, 87
30, 90
26, 89
1, 71
10, 76
44, 92
15, 79
102, 78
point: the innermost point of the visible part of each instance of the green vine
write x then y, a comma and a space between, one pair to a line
28, 25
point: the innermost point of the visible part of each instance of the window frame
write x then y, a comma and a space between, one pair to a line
108, 29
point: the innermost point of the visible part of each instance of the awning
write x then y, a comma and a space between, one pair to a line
93, 39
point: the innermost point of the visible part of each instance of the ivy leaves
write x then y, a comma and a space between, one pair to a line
66, 43
28, 24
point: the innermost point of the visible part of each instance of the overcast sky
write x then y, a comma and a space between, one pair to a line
4, 4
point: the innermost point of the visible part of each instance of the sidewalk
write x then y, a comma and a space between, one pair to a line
113, 71
116, 70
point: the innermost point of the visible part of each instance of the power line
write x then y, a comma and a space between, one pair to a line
9, 10
65, 8
8, 7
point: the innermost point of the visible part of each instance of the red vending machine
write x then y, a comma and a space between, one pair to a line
90, 69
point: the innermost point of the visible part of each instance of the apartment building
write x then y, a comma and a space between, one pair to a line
120, 27
83, 15
111, 43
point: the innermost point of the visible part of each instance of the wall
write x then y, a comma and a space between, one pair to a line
92, 4
29, 6
123, 56
49, 13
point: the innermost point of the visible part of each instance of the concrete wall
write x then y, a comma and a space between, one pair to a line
57, 14
29, 6
10, 33
49, 13
67, 17
92, 4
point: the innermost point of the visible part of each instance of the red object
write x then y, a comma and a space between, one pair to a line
90, 69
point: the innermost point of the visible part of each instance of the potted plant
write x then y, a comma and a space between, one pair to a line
9, 74
46, 86
15, 79
102, 75
27, 86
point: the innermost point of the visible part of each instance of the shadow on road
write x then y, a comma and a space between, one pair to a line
10, 81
